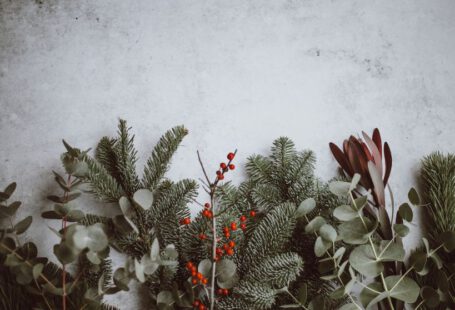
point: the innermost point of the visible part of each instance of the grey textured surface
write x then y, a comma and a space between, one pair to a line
237, 73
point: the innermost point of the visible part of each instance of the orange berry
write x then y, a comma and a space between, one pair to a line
205, 281
189, 265
231, 244
194, 281
230, 252
233, 225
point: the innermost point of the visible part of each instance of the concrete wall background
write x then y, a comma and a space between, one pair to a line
238, 74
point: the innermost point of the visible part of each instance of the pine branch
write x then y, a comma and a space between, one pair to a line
103, 185
269, 237
126, 159
277, 270
105, 155
158, 162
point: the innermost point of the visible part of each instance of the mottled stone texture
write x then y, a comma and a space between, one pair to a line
237, 73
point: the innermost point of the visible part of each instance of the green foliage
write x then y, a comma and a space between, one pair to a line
438, 178
287, 176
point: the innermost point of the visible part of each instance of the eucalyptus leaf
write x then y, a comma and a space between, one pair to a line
226, 269
448, 239
402, 288
121, 279
401, 230
430, 296
345, 213
23, 225
314, 224
306, 207
128, 212
368, 296
328, 233
339, 188
321, 246
354, 181
37, 270
354, 231
144, 198
363, 260
405, 212
165, 297
413, 196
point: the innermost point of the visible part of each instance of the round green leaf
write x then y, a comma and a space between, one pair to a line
401, 230
363, 260
314, 224
37, 270
321, 246
226, 269
306, 207
328, 233
339, 188
23, 225
404, 289
430, 296
345, 213
405, 212
144, 198
413, 196
354, 232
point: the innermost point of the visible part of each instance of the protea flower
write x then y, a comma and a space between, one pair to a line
365, 158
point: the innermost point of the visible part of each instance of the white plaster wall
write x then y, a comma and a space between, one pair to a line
237, 73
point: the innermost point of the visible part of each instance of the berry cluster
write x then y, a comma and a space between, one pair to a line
225, 167
197, 304
197, 277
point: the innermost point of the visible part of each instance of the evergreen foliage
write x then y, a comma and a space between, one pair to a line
276, 239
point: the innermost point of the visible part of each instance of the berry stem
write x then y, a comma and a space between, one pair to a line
214, 245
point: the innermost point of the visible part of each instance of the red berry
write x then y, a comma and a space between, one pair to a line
186, 221
230, 156
226, 246
225, 292
223, 166
217, 258
201, 307
194, 281
219, 251
205, 281
243, 226
189, 265
219, 172
243, 218
196, 303
207, 205
233, 225
230, 252
227, 235
207, 213
193, 273
252, 213
221, 177
202, 236
231, 166
226, 229
199, 276
220, 291
231, 244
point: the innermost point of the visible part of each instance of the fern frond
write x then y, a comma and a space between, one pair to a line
158, 162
